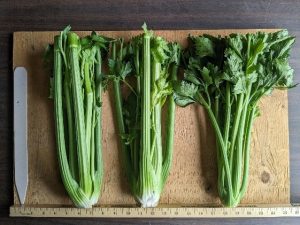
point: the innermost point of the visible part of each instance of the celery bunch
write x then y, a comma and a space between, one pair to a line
228, 77
77, 92
147, 66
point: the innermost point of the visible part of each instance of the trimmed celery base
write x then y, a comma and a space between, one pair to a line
149, 200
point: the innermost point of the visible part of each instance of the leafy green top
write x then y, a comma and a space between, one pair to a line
253, 62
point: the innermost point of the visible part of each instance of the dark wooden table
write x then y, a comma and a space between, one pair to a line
37, 15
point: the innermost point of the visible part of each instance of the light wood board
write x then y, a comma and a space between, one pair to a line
192, 180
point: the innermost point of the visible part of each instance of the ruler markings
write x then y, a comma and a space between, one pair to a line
185, 212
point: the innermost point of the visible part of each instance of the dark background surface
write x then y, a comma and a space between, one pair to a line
38, 15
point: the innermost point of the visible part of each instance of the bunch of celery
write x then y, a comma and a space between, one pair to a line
228, 76
77, 90
147, 65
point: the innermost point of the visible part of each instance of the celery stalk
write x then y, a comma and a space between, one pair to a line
228, 76
153, 64
77, 104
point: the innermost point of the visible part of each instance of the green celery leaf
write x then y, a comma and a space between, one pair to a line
204, 46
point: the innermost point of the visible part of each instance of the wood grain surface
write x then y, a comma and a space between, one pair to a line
193, 177
39, 15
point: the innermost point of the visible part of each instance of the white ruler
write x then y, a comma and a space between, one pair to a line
159, 212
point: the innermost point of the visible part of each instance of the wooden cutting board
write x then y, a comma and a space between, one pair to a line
193, 175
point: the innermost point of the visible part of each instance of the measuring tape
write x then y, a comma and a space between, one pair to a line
159, 212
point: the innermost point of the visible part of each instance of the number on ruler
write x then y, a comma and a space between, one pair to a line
129, 212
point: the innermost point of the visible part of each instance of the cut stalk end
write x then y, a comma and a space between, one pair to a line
149, 200
73, 40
